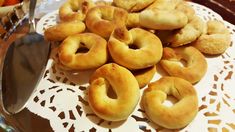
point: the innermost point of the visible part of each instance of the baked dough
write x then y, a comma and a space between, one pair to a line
148, 48
196, 64
144, 76
94, 58
103, 2
103, 19
62, 30
162, 15
75, 10
132, 5
123, 84
181, 113
189, 32
133, 20
186, 9
215, 41
185, 35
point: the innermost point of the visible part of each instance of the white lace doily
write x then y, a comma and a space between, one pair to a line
61, 97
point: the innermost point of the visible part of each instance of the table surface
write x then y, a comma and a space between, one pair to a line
29, 122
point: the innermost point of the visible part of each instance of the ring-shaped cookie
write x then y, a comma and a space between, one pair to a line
164, 4
75, 10
95, 57
194, 69
215, 41
123, 83
181, 113
103, 19
104, 2
186, 9
62, 30
132, 5
148, 48
162, 19
133, 20
162, 15
189, 33
182, 6
144, 76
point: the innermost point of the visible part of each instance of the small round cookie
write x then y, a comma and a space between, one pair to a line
133, 20
144, 76
62, 30
185, 35
132, 5
186, 9
189, 32
134, 49
181, 113
95, 57
123, 84
75, 10
196, 64
215, 41
162, 15
103, 19
103, 2
164, 4
162, 19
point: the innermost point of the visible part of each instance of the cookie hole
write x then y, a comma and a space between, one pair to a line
140, 71
183, 63
133, 46
82, 50
111, 93
74, 9
170, 101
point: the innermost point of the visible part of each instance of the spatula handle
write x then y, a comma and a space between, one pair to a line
32, 5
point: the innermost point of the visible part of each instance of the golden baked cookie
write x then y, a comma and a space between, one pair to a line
189, 32
103, 2
123, 84
132, 5
162, 15
215, 41
181, 113
194, 69
144, 76
133, 20
134, 49
62, 30
186, 9
103, 19
94, 58
75, 10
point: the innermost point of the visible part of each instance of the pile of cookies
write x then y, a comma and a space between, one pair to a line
124, 40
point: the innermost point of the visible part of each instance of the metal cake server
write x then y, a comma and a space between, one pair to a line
23, 66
